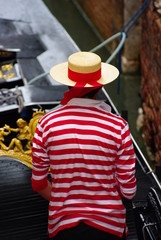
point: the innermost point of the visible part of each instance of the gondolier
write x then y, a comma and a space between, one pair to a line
90, 155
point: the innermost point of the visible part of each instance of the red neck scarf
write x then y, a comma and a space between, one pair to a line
77, 92
81, 79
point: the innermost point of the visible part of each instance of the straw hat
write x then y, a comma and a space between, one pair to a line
84, 69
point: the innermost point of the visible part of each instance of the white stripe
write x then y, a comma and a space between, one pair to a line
53, 114
81, 183
125, 149
115, 219
104, 211
125, 167
45, 164
36, 146
84, 119
77, 192
40, 169
82, 136
41, 155
36, 136
127, 181
65, 222
82, 174
62, 223
114, 228
87, 201
39, 127
127, 157
84, 127
75, 156
82, 165
126, 128
82, 146
126, 140
127, 190
39, 177
129, 173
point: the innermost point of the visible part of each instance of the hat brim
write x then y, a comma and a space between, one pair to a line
60, 74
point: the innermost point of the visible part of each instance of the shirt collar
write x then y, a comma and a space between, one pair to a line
90, 102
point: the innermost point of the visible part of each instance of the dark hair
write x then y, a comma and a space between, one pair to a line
90, 94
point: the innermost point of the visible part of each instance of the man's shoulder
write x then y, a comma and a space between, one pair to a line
51, 113
117, 119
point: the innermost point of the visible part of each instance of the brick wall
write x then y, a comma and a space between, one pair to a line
131, 50
109, 17
151, 78
106, 15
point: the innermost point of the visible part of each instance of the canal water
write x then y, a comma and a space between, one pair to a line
86, 37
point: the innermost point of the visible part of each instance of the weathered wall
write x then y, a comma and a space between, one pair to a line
131, 53
109, 17
151, 78
143, 43
106, 16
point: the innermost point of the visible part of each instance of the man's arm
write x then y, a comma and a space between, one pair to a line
125, 171
46, 192
40, 163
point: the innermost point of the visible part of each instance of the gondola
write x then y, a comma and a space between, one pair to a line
26, 51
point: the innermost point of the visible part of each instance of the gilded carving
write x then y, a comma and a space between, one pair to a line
20, 146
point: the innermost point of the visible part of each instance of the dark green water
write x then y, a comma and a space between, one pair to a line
86, 38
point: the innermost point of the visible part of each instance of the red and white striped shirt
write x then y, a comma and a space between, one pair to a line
92, 163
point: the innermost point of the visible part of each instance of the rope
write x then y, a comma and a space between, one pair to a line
126, 28
9, 97
37, 78
135, 17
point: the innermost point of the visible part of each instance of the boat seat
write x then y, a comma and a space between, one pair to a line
148, 217
154, 207
23, 213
